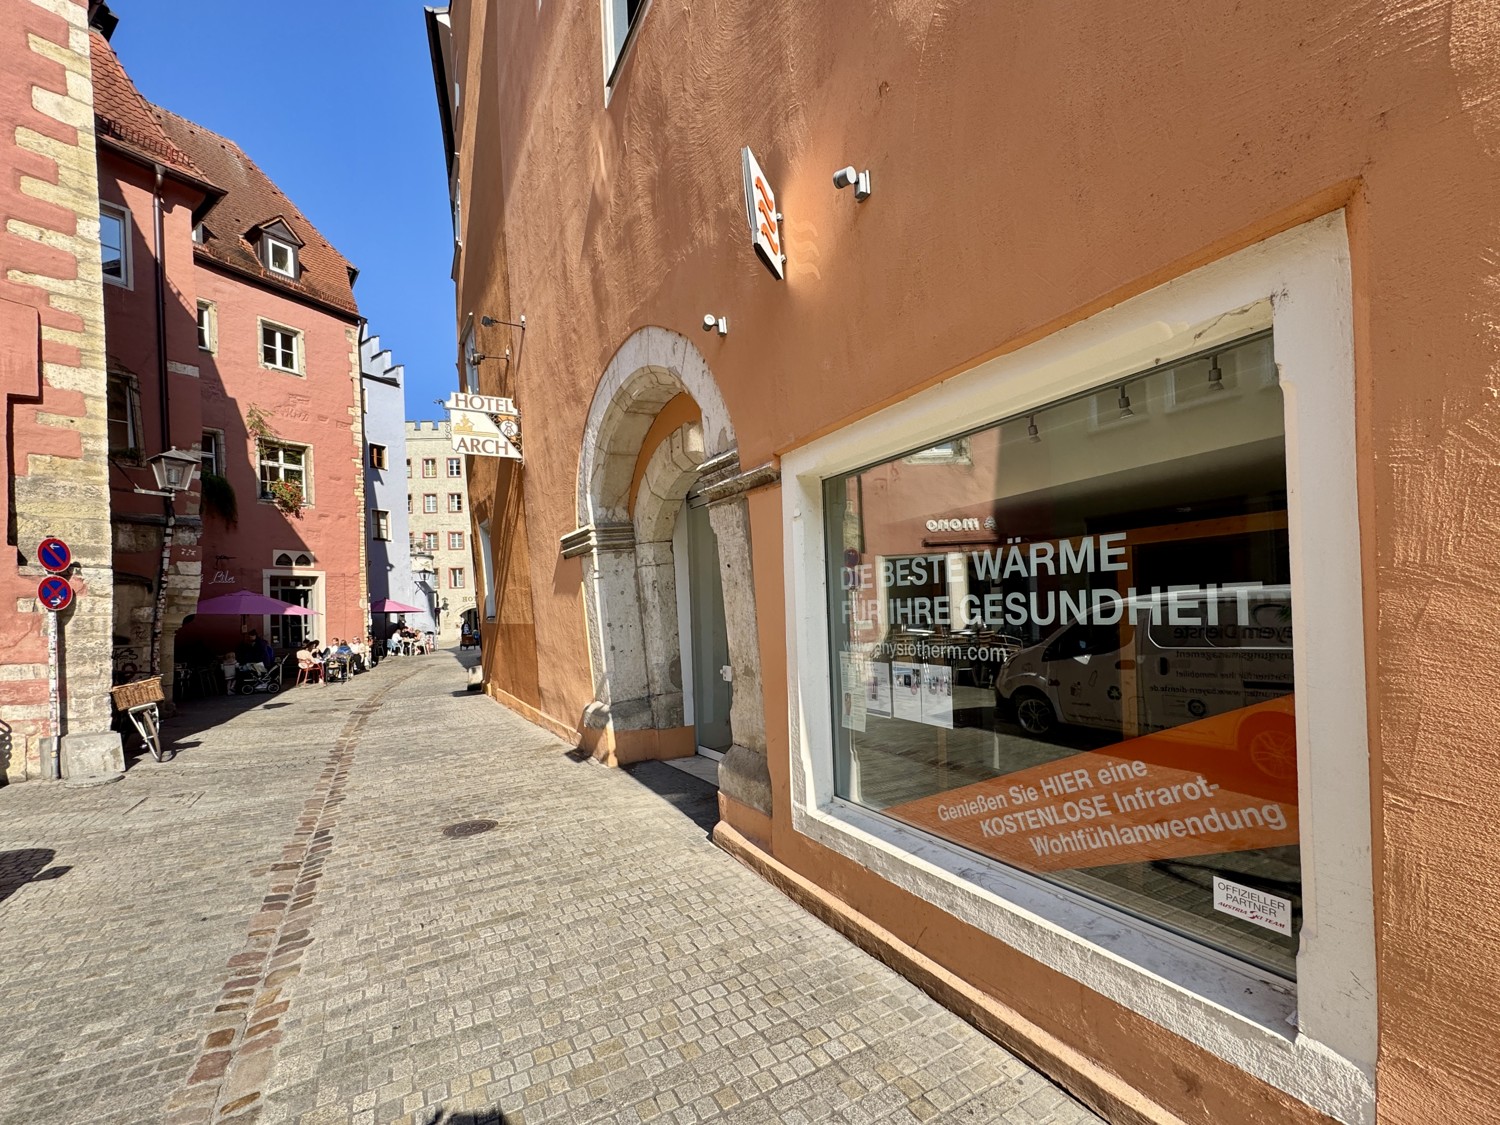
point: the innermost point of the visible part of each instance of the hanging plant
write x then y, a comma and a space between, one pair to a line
258, 424
287, 496
219, 498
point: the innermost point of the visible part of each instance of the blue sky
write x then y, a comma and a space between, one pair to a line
335, 101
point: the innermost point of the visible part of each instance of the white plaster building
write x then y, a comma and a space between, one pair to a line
437, 489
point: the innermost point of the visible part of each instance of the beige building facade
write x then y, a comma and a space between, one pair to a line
439, 520
1045, 459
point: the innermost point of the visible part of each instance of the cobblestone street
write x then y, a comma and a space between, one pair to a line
275, 927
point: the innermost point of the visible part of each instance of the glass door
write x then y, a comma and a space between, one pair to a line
712, 693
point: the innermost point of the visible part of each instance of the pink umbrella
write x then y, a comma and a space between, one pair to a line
243, 602
387, 605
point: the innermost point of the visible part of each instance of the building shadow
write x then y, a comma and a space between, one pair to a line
27, 865
693, 798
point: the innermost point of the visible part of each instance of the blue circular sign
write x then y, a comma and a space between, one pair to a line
55, 593
54, 555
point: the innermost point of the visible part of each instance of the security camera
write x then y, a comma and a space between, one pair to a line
845, 176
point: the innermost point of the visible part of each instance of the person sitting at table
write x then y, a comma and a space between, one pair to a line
356, 649
309, 667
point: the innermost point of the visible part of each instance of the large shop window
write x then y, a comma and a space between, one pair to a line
1070, 649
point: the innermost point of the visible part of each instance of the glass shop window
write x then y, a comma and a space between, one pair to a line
1071, 650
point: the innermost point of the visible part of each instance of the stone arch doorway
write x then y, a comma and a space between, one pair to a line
638, 485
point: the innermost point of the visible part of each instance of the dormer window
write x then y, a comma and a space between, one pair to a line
281, 257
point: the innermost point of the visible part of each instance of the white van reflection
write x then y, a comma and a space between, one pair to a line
1141, 674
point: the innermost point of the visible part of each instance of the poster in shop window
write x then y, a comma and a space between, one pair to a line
906, 691
851, 683
878, 689
937, 695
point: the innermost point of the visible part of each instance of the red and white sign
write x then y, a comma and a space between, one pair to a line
765, 219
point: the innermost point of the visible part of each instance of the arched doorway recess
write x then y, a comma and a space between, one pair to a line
630, 581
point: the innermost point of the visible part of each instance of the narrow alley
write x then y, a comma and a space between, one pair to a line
392, 900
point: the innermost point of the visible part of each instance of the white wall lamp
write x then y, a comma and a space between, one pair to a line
713, 323
848, 176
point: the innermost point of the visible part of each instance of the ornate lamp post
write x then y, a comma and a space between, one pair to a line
174, 471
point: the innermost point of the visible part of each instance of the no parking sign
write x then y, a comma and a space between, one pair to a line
55, 593
54, 555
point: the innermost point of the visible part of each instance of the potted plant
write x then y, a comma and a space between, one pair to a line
287, 496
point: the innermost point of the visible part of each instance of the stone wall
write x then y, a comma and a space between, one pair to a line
52, 371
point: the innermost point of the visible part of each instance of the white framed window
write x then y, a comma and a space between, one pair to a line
429, 467
281, 461
208, 327
377, 456
380, 524
455, 540
455, 466
1316, 1039
619, 18
429, 541
408, 468
455, 501
280, 347
408, 503
281, 257
456, 577
123, 403
211, 453
429, 502
114, 244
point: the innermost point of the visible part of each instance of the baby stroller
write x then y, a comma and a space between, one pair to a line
251, 678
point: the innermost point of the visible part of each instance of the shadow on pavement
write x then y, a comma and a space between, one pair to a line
479, 1117
26, 865
697, 800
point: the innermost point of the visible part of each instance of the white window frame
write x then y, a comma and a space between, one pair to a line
214, 466
208, 327
380, 524
272, 245
456, 579
460, 545
126, 280
426, 463
1315, 1040
429, 542
455, 502
618, 33
307, 467
458, 461
429, 504
260, 345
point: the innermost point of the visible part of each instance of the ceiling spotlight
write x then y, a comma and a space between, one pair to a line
1215, 376
1124, 403
1032, 433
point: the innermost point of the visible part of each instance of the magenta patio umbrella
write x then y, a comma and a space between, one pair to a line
243, 602
389, 605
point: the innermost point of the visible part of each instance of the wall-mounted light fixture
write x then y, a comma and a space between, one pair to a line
1215, 376
1032, 433
851, 176
1124, 403
716, 323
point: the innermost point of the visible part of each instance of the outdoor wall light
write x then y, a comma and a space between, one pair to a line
1124, 403
174, 471
719, 323
1215, 376
850, 175
1032, 433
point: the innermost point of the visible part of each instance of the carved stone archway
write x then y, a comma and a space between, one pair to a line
629, 583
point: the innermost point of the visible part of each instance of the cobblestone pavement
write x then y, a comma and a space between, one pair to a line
274, 927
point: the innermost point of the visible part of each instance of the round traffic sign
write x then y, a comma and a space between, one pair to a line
54, 555
55, 592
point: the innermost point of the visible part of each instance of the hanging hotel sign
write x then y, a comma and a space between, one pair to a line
484, 425
765, 220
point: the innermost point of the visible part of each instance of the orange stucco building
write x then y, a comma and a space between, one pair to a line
1130, 408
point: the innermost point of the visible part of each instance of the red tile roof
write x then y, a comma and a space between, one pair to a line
123, 118
251, 201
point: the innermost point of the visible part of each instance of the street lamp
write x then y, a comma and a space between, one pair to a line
174, 471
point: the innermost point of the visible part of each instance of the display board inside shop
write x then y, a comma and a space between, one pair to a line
1064, 642
484, 425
